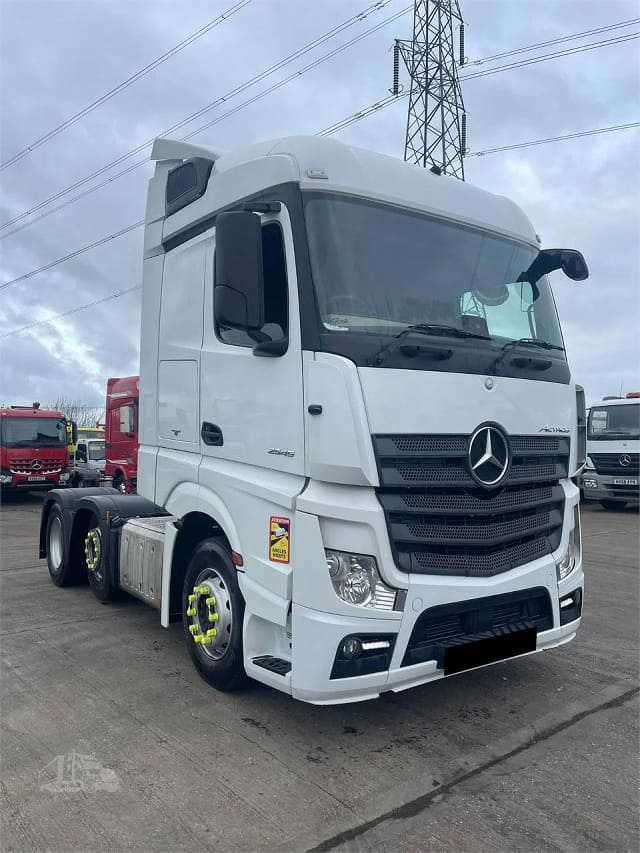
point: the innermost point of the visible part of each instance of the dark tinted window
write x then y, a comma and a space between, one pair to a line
181, 180
275, 290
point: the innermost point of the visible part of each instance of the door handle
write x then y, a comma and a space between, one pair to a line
211, 434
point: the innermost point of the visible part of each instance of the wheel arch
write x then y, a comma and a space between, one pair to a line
203, 515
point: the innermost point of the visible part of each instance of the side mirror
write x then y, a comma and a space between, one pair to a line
74, 432
239, 277
573, 264
570, 261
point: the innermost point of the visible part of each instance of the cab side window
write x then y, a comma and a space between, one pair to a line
275, 290
126, 419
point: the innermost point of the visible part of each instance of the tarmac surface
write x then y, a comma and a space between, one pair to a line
111, 741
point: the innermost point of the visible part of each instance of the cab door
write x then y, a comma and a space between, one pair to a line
250, 406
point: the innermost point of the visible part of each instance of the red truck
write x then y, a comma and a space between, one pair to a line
121, 432
33, 448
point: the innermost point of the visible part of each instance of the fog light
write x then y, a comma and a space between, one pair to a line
351, 648
589, 483
5, 479
571, 607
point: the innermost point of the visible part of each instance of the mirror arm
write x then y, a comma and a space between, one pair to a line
272, 349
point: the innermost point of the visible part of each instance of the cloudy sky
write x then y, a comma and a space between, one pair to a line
58, 56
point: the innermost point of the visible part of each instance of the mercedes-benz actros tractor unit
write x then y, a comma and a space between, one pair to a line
359, 437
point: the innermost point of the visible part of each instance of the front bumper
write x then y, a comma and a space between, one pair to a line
23, 482
602, 487
318, 635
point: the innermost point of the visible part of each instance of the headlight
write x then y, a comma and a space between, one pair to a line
588, 465
356, 580
572, 557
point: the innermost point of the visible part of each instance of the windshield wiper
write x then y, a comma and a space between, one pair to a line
424, 329
527, 342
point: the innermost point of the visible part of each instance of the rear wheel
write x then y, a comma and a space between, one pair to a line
97, 567
62, 570
213, 615
613, 504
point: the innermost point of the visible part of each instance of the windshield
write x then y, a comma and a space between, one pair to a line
610, 422
33, 432
378, 269
96, 451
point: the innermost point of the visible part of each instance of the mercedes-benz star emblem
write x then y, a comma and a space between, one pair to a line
625, 459
36, 464
488, 456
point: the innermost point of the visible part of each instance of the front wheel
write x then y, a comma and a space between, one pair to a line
118, 482
63, 570
213, 615
613, 504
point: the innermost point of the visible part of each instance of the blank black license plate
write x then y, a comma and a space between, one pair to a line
489, 650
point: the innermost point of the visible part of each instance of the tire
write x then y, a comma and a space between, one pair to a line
63, 570
211, 582
610, 505
97, 567
119, 482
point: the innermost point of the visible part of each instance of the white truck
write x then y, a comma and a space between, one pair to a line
359, 438
611, 474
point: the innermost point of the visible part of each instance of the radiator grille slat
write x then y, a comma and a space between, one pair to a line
441, 522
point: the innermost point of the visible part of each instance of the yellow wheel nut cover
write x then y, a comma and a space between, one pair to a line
191, 611
212, 632
193, 629
213, 617
210, 602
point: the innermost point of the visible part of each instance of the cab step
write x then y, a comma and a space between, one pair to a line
277, 665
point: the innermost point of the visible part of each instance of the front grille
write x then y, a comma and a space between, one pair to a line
24, 466
609, 463
441, 522
467, 621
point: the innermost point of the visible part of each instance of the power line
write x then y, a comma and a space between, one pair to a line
265, 92
75, 310
359, 17
125, 84
548, 43
71, 255
569, 51
548, 139
386, 102
327, 132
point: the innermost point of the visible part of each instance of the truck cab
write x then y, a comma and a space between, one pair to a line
359, 436
611, 474
33, 448
121, 432
88, 466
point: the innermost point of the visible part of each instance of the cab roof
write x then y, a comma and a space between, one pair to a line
29, 412
321, 164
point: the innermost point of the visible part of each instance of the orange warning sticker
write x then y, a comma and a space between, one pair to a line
279, 536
